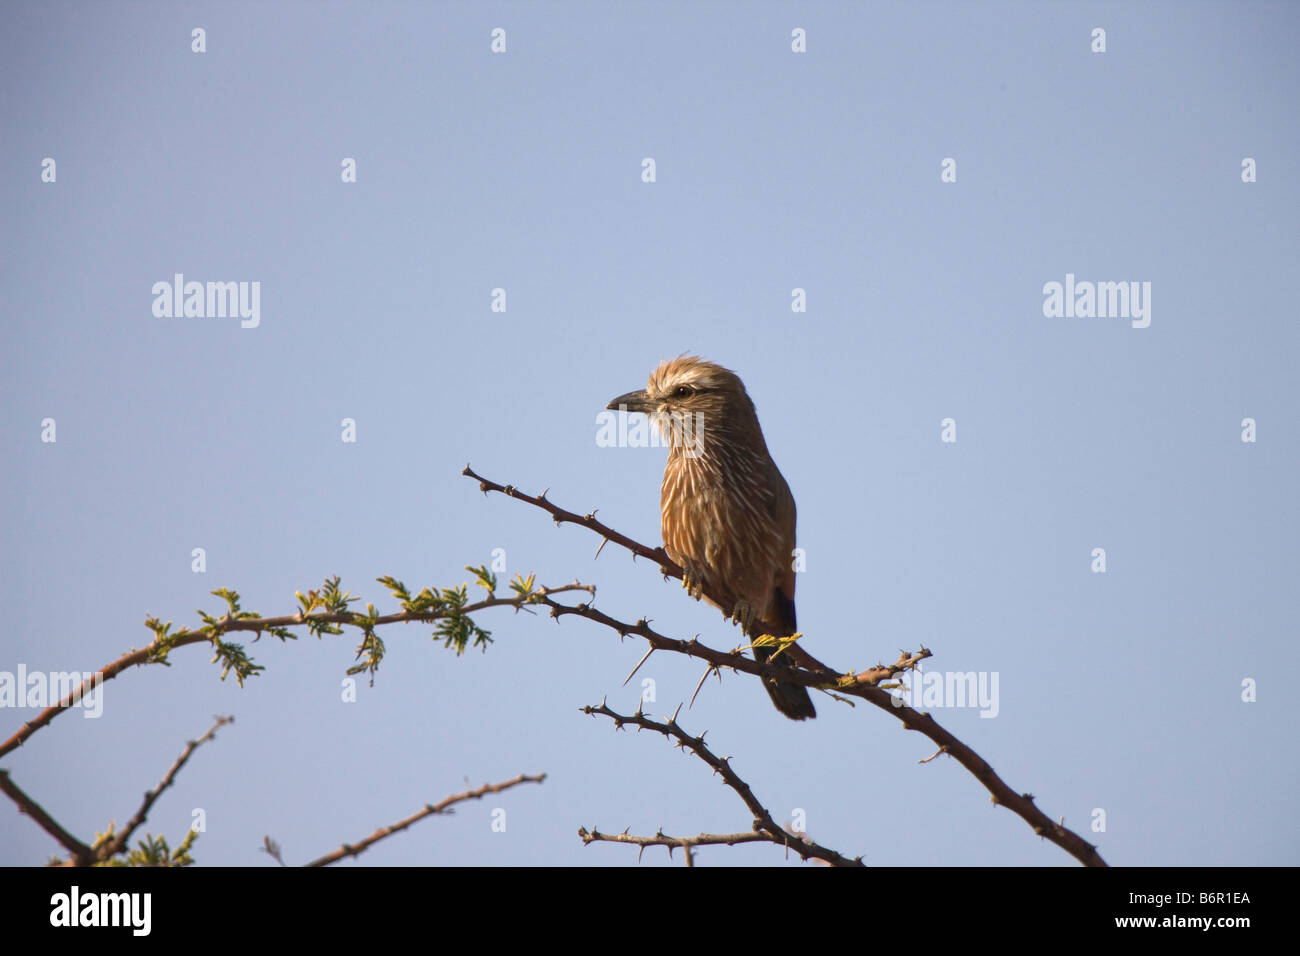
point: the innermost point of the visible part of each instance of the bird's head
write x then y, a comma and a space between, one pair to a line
687, 396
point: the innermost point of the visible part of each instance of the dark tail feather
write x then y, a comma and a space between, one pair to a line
790, 699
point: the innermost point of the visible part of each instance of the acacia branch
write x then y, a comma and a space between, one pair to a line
763, 822
118, 843
354, 849
79, 853
814, 674
687, 844
154, 652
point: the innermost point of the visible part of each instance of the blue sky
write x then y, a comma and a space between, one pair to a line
1119, 691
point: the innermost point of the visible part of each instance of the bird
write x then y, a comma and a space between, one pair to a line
728, 516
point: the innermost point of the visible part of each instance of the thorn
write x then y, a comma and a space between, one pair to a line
705, 677
638, 665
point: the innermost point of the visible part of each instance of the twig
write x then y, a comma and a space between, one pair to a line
763, 822
81, 854
272, 849
353, 849
687, 844
881, 672
118, 843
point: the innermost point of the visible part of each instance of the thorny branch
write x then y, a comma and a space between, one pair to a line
118, 843
81, 855
687, 844
106, 848
810, 672
765, 827
442, 806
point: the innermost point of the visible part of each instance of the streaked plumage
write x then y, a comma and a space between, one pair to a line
727, 514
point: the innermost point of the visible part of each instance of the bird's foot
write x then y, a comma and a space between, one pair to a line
743, 614
692, 581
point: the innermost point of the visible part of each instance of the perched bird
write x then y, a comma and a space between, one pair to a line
728, 515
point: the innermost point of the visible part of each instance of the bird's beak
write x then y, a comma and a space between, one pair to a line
632, 402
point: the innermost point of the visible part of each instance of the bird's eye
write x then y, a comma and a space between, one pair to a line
684, 391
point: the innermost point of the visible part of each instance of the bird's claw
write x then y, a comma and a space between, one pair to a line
743, 614
692, 582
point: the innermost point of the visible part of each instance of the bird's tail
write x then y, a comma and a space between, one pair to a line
790, 699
